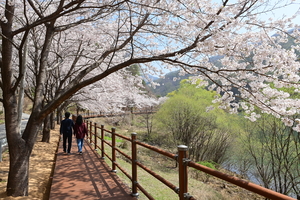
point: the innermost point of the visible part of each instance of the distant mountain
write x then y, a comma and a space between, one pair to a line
168, 84
153, 77
148, 78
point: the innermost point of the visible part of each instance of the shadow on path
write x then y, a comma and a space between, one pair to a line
85, 176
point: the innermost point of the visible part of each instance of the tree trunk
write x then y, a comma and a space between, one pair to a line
17, 184
46, 129
52, 121
19, 152
20, 148
77, 110
59, 115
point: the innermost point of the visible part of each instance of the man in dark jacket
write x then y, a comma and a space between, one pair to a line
66, 129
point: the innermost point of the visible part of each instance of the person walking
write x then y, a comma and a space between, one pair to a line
80, 131
66, 129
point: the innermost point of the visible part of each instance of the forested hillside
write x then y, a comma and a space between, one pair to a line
168, 84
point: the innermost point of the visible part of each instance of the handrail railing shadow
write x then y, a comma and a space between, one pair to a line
98, 133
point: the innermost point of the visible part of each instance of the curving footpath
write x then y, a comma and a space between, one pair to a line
85, 176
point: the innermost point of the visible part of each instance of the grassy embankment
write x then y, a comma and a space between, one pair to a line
200, 186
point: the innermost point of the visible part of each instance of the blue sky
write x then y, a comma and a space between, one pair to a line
287, 11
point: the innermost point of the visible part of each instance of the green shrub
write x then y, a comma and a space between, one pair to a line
199, 175
209, 164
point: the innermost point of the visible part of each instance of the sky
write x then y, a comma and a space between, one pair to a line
287, 11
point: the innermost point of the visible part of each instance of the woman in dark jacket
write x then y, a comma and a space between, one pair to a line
80, 131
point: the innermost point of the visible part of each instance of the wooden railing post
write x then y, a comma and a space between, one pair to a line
87, 127
96, 136
183, 174
113, 144
102, 141
91, 126
134, 165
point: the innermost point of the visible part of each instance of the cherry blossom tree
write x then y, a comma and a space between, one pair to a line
86, 41
108, 95
114, 94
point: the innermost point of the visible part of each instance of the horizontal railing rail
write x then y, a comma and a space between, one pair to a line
181, 158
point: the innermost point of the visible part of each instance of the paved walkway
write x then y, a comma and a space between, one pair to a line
85, 176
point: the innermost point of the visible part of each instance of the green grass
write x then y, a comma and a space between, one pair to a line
109, 138
165, 167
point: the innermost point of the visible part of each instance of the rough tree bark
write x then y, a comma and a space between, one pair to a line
52, 121
46, 129
19, 150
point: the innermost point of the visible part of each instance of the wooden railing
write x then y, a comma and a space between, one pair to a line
97, 133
